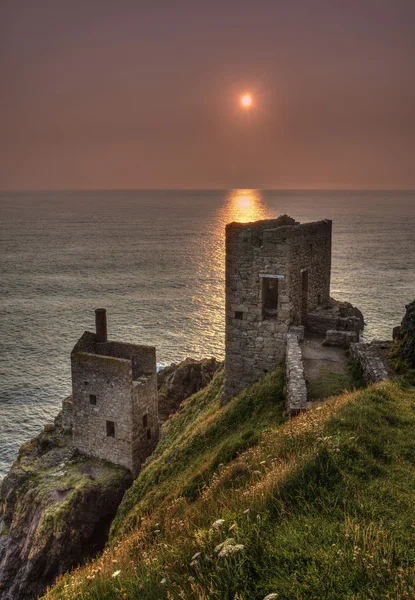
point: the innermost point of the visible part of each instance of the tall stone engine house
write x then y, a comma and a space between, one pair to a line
277, 271
113, 411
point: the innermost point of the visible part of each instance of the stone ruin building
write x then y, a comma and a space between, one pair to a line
113, 411
277, 285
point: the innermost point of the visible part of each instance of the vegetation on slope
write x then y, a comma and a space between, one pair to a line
197, 440
320, 507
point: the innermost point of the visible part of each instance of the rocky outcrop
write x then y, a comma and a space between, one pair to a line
338, 316
405, 335
370, 359
55, 511
179, 381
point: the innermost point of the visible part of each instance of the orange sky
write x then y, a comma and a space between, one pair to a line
98, 94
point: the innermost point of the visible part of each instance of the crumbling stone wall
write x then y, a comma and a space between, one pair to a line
278, 250
368, 359
339, 316
340, 338
295, 378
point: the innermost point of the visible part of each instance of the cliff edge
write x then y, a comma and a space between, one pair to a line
56, 507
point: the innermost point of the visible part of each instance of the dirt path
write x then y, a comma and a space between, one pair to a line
316, 356
327, 370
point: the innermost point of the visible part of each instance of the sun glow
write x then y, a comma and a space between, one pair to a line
246, 100
245, 206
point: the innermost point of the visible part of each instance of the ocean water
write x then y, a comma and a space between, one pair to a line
155, 261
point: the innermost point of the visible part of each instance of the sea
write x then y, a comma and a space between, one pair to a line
155, 261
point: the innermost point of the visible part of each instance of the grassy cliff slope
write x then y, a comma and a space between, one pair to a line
236, 504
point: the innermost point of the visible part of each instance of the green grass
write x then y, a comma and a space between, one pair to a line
333, 382
320, 507
198, 439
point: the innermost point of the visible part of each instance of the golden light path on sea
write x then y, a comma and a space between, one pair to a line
242, 206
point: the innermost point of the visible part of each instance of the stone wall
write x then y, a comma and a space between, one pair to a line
310, 251
340, 338
145, 419
143, 357
114, 406
368, 359
295, 378
255, 254
340, 316
110, 381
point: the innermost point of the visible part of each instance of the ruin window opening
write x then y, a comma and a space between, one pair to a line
145, 421
149, 434
269, 298
110, 429
239, 314
92, 399
319, 299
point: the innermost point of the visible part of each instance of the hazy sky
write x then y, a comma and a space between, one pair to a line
144, 93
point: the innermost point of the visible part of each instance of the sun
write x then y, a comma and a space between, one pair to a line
246, 100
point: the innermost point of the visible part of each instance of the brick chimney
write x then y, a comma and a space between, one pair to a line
101, 324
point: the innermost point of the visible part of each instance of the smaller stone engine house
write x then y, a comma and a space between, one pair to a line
113, 412
277, 272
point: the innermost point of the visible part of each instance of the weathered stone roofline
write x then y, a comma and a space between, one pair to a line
89, 343
141, 358
283, 222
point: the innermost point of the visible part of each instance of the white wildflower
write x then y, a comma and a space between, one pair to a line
218, 523
163, 580
227, 542
229, 550
116, 573
271, 596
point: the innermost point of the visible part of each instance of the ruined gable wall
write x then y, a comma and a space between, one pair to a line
253, 345
309, 248
110, 380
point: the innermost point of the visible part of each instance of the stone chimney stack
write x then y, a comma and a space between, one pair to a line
101, 324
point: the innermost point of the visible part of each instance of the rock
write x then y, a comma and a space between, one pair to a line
56, 507
407, 335
179, 381
339, 316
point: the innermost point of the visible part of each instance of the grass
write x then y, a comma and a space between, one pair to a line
197, 440
319, 507
333, 382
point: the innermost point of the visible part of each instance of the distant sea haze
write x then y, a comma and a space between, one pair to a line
155, 261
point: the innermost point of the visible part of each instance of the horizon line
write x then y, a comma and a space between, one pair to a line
205, 189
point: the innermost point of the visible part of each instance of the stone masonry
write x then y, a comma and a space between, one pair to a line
368, 359
294, 368
277, 271
113, 410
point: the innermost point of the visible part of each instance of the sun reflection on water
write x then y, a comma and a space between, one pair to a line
244, 206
